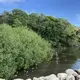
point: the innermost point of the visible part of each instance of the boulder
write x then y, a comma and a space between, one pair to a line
70, 77
78, 77
51, 77
62, 76
71, 72
78, 71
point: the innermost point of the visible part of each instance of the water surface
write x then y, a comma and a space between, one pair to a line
63, 59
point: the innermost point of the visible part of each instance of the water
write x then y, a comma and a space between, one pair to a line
63, 59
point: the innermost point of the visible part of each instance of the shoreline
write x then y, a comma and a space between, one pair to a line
69, 74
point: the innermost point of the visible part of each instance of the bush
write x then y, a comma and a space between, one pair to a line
21, 48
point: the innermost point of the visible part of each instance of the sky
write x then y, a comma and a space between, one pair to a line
68, 9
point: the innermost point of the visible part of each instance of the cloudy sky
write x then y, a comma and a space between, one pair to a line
68, 9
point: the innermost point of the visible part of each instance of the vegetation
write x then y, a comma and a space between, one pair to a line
21, 48
29, 39
58, 31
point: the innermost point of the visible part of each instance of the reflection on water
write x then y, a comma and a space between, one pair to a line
67, 58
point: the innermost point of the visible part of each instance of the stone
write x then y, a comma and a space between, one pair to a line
28, 79
62, 76
40, 78
18, 79
70, 77
71, 72
51, 77
2, 79
78, 71
78, 77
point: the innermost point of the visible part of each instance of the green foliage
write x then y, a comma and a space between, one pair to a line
33, 49
16, 23
56, 30
20, 48
8, 51
21, 16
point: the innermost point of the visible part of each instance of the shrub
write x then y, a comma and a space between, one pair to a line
33, 49
21, 48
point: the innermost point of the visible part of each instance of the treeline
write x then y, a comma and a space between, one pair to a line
58, 31
29, 39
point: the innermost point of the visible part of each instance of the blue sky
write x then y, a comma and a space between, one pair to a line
68, 9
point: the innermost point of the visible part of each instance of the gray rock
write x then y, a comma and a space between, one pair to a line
70, 77
51, 77
18, 79
40, 78
62, 76
71, 72
78, 77
2, 79
28, 79
78, 71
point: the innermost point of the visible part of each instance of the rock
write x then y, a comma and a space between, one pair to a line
56, 78
28, 79
62, 76
78, 77
18, 79
34, 78
70, 77
78, 71
51, 77
40, 78
71, 72
2, 79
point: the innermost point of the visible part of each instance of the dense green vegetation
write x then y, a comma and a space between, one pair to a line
21, 48
56, 30
29, 39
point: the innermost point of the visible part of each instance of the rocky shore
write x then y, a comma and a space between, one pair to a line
69, 74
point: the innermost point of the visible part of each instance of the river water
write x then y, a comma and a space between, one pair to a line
63, 59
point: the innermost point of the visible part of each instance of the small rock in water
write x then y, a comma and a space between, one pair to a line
2, 79
28, 79
18, 79
40, 78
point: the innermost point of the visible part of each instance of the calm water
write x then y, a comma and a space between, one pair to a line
64, 59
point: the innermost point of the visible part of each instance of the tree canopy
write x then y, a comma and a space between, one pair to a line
21, 48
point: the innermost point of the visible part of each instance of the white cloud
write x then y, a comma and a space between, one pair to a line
11, 1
